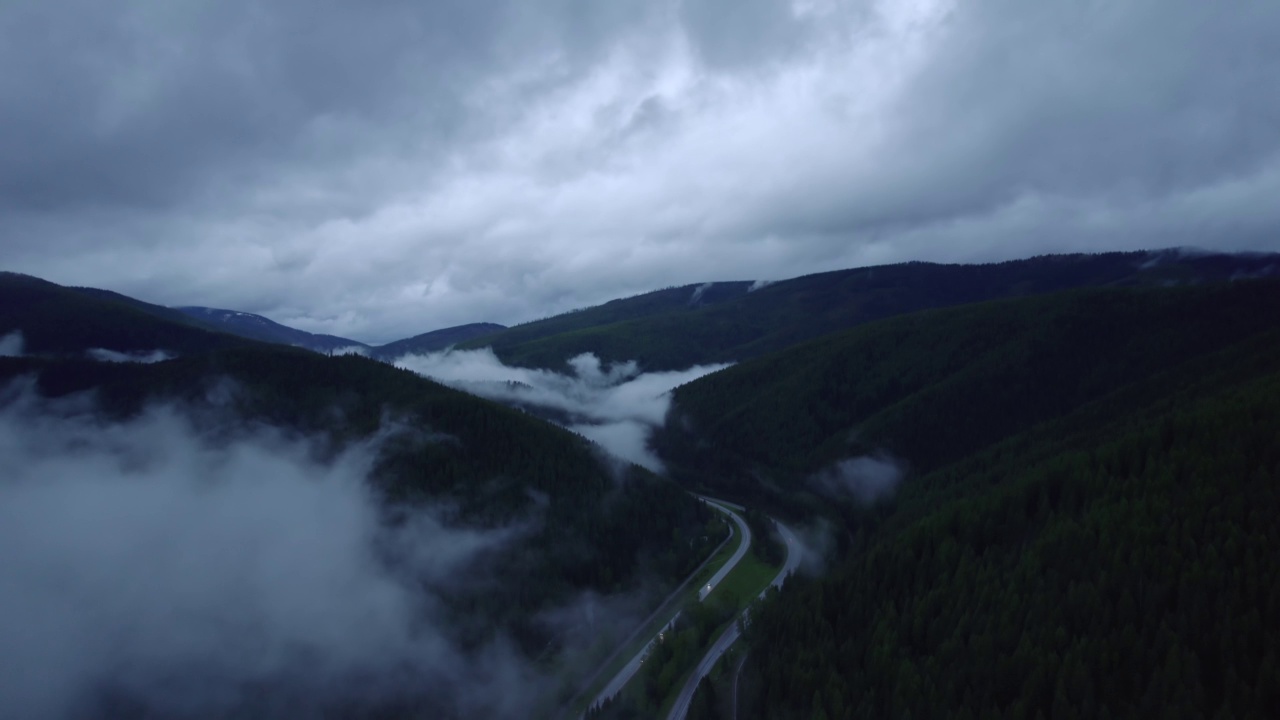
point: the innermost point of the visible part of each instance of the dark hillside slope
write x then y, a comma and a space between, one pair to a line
671, 333
58, 320
1085, 526
435, 340
167, 313
513, 344
937, 386
1115, 562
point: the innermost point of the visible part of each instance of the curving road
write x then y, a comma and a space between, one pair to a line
730, 635
737, 555
629, 670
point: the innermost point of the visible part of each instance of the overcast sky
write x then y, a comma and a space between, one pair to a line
379, 169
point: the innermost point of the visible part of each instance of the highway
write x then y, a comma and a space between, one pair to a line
737, 555
730, 635
629, 670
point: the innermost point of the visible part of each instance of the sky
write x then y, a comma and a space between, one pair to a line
380, 169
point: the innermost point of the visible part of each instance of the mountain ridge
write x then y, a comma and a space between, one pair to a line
258, 327
662, 330
59, 320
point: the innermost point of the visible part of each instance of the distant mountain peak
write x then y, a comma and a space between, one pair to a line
257, 327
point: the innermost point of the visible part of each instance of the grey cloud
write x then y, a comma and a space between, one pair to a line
616, 407
698, 291
140, 105
145, 567
11, 345
1106, 110
378, 171
1135, 98
144, 106
866, 479
624, 439
104, 355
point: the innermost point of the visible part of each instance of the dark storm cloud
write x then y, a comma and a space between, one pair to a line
135, 103
143, 103
377, 170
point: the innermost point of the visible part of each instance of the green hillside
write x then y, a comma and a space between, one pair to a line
1084, 529
728, 323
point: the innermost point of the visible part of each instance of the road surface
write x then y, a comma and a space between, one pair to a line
737, 555
730, 635
629, 670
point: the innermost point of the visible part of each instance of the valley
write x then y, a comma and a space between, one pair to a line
639, 360
997, 477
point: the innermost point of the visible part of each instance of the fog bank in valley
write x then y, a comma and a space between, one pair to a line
153, 567
105, 355
616, 406
867, 479
11, 344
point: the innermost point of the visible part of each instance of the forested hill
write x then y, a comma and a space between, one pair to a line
435, 340
257, 327
728, 322
935, 387
1085, 527
539, 342
583, 524
57, 320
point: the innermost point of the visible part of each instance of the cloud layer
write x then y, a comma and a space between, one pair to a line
11, 344
617, 407
866, 479
104, 355
146, 567
379, 171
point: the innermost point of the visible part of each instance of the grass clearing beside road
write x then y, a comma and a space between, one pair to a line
745, 582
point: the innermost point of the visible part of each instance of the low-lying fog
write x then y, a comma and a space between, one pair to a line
616, 406
157, 568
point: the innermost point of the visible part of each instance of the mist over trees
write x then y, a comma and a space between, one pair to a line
578, 528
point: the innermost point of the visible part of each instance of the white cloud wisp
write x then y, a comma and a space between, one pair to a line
617, 407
